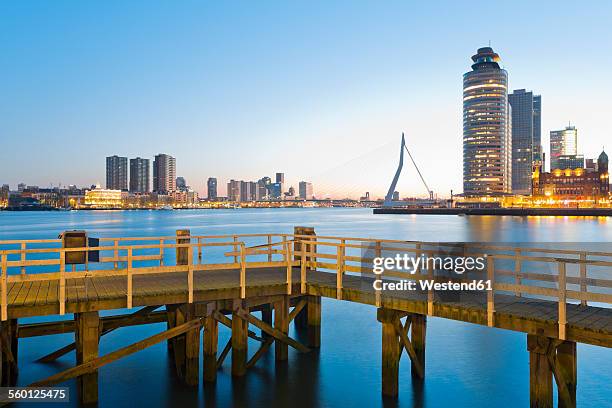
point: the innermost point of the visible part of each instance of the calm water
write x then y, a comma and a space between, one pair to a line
467, 365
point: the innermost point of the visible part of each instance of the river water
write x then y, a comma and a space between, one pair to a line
466, 365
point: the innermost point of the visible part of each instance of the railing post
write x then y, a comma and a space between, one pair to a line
199, 250
129, 278
378, 254
242, 271
289, 262
23, 257
269, 248
190, 273
490, 299
339, 268
4, 288
62, 283
302, 267
235, 248
161, 252
116, 253
430, 292
517, 270
583, 277
562, 296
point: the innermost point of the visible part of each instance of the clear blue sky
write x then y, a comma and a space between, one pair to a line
319, 90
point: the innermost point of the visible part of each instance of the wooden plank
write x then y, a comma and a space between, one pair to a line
260, 352
115, 355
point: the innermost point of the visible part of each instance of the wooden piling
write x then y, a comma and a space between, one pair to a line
418, 332
87, 337
192, 349
211, 339
390, 352
567, 364
9, 341
281, 322
266, 317
240, 330
313, 309
178, 342
540, 372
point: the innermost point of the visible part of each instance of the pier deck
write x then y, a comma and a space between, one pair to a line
590, 324
558, 297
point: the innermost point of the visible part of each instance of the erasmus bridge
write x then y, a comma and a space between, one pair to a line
389, 199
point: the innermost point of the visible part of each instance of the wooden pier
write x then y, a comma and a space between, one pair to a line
557, 297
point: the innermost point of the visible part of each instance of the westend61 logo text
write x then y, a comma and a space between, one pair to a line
409, 264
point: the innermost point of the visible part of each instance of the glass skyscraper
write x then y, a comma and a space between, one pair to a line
562, 143
487, 144
526, 138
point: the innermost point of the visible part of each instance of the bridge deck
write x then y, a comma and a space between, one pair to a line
587, 324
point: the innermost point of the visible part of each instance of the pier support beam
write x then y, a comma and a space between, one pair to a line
9, 341
550, 358
87, 337
567, 362
240, 335
211, 339
266, 317
192, 349
418, 332
185, 348
390, 352
540, 373
313, 311
281, 322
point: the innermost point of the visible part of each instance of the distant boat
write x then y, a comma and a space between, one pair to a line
166, 208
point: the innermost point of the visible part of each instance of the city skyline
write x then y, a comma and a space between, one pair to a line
310, 84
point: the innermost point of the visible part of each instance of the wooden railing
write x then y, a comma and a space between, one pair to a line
511, 270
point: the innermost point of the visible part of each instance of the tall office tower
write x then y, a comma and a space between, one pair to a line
164, 174
305, 190
280, 179
116, 173
139, 175
234, 190
263, 185
526, 138
487, 142
211, 184
562, 143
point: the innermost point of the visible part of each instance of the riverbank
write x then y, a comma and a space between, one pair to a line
521, 212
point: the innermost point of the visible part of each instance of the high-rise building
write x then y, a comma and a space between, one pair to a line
487, 142
116, 173
562, 143
280, 179
211, 184
139, 175
275, 190
263, 187
247, 190
164, 174
234, 190
181, 184
526, 138
305, 189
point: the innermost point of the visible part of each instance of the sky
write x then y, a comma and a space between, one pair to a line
318, 90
